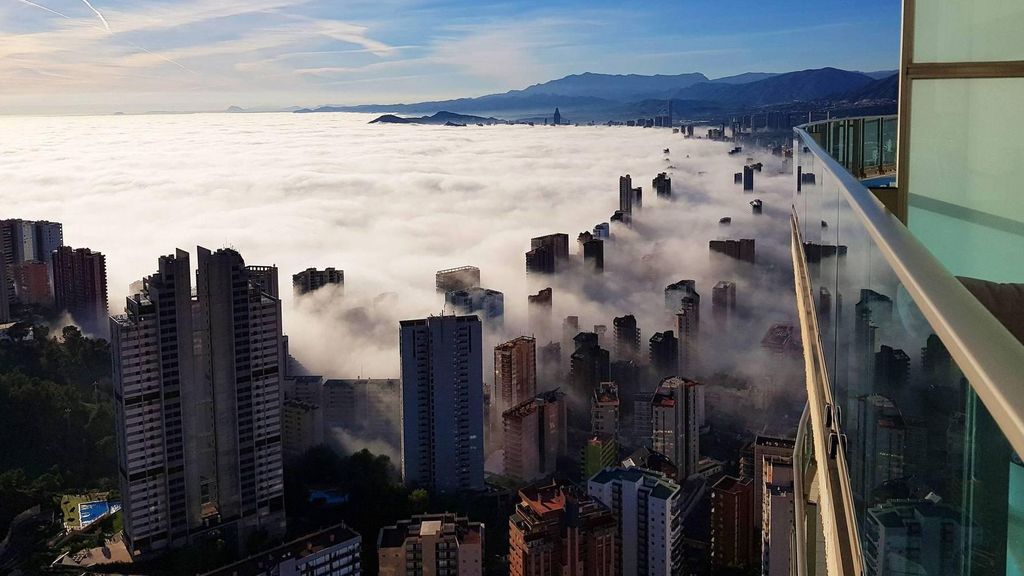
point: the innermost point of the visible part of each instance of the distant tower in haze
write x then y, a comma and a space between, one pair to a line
675, 421
548, 254
539, 312
80, 286
557, 117
442, 403
723, 301
312, 279
662, 185
627, 337
515, 371
625, 194
664, 354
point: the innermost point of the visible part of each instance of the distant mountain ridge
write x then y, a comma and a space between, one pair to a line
591, 95
443, 118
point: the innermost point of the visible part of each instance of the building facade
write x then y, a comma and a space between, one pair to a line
515, 371
80, 286
311, 279
675, 423
647, 505
432, 545
442, 403
555, 529
535, 435
183, 367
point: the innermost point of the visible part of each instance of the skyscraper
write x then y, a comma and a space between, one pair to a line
442, 403
662, 185
183, 368
627, 337
311, 279
548, 254
723, 302
675, 423
674, 294
625, 194
589, 365
648, 510
80, 286
593, 255
459, 278
664, 354
743, 249
557, 529
32, 283
515, 371
604, 411
476, 300
536, 435
539, 313
732, 523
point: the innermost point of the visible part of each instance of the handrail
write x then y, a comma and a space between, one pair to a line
834, 492
987, 353
844, 118
799, 552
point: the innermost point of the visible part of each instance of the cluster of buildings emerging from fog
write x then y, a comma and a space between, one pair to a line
603, 429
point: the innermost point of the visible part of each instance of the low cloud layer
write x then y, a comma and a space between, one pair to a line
392, 204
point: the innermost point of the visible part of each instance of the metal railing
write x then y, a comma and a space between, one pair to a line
990, 357
865, 146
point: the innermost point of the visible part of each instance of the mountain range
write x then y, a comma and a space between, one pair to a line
605, 96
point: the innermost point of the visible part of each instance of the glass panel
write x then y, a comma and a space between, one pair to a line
968, 31
872, 150
889, 128
929, 470
966, 202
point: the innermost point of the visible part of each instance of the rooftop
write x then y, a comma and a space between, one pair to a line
258, 564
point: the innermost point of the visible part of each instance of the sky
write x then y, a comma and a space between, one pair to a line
104, 56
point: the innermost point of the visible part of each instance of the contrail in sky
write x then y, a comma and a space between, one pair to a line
107, 28
50, 10
97, 12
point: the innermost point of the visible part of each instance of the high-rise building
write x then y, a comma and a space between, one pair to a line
723, 302
767, 451
878, 434
515, 371
662, 185
625, 194
432, 545
688, 331
602, 231
557, 117
334, 551
539, 307
675, 423
732, 523
664, 354
32, 283
593, 255
311, 279
442, 403
548, 254
777, 508
748, 178
599, 453
490, 304
80, 286
674, 294
460, 278
604, 410
627, 337
302, 427
183, 367
536, 435
265, 278
647, 505
26, 240
570, 328
589, 365
743, 250
915, 537
556, 529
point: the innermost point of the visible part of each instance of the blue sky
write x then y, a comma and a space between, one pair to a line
62, 56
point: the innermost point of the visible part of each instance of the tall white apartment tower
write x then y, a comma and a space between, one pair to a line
648, 506
442, 403
197, 383
675, 423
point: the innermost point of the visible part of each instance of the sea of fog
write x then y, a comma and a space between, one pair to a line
391, 204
